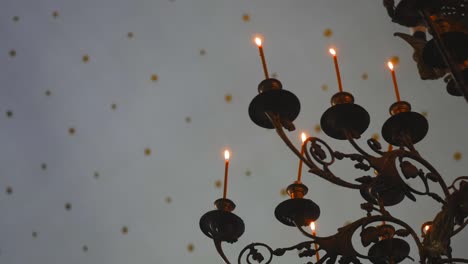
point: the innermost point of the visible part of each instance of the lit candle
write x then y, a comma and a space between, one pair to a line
426, 230
299, 172
226, 167
312, 226
395, 84
258, 41
337, 69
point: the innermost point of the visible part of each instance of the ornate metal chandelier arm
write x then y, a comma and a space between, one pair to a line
327, 175
460, 228
219, 248
435, 173
452, 186
356, 146
345, 234
446, 56
254, 254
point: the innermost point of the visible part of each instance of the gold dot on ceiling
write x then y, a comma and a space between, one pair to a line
317, 128
218, 183
168, 199
124, 230
12, 53
147, 151
9, 114
228, 98
85, 58
188, 119
324, 87
457, 156
283, 192
71, 131
154, 77
365, 76
16, 18
202, 52
68, 206
248, 173
85, 248
9, 190
55, 14
44, 166
190, 247
327, 32
130, 35
376, 136
48, 93
395, 60
34, 234
246, 17
114, 106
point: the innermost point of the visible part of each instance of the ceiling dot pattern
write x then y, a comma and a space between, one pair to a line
82, 121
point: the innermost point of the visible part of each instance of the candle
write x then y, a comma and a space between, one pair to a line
299, 173
312, 226
337, 69
226, 167
258, 41
395, 84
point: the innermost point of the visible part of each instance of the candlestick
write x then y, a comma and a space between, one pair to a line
312, 226
299, 172
395, 84
337, 69
258, 41
226, 167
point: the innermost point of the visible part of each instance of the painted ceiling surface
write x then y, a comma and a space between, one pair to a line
114, 116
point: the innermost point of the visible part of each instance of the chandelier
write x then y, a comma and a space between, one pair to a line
446, 54
383, 184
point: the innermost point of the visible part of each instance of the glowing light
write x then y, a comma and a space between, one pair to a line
258, 41
227, 155
390, 65
303, 137
332, 52
427, 227
312, 226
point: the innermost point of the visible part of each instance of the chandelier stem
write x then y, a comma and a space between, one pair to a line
459, 81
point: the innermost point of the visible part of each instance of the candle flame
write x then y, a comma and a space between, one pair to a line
390, 65
426, 228
303, 137
258, 41
227, 155
332, 52
312, 226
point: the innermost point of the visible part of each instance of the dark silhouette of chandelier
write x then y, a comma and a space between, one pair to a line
446, 54
384, 183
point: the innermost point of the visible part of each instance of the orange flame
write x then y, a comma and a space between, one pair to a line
332, 52
258, 41
312, 226
390, 65
303, 137
227, 155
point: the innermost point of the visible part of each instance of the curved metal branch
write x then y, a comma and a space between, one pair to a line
452, 186
219, 248
356, 146
327, 175
460, 228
